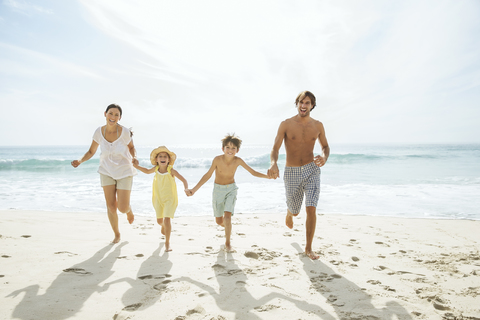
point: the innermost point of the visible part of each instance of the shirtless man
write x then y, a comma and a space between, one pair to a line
302, 170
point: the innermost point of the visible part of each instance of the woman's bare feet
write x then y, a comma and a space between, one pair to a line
167, 247
116, 239
130, 217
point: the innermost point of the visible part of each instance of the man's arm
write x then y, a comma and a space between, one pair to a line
322, 139
273, 172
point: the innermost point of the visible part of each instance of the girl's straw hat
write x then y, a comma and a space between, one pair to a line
155, 152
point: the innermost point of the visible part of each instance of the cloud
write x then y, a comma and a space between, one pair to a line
26, 8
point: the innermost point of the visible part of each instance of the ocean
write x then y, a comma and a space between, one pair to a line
412, 181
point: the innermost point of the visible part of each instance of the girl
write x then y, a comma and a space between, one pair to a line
164, 189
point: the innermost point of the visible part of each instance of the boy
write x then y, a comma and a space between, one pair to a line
225, 189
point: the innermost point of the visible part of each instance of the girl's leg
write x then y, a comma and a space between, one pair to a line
111, 200
124, 204
160, 222
167, 226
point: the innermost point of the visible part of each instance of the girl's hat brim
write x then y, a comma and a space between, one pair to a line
155, 152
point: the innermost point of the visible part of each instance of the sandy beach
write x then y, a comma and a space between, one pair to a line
61, 265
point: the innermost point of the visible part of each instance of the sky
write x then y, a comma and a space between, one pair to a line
189, 72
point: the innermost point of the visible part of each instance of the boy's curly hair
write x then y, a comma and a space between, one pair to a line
233, 139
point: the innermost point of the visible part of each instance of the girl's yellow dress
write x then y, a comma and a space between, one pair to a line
164, 194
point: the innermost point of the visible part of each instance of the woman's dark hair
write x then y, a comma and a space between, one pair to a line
113, 105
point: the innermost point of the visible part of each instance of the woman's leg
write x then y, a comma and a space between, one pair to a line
111, 200
123, 197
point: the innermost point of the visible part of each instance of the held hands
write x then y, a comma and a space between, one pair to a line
189, 192
273, 172
135, 162
319, 161
75, 163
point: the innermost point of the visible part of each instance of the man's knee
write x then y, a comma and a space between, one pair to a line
311, 210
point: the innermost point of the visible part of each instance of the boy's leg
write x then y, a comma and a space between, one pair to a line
227, 221
219, 221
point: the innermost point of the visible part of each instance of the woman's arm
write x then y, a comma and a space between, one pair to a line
131, 149
86, 156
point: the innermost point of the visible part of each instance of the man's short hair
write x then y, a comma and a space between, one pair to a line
233, 139
304, 94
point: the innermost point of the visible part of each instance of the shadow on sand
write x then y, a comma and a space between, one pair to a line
233, 296
147, 288
70, 290
340, 291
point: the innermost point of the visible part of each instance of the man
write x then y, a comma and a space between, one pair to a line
302, 170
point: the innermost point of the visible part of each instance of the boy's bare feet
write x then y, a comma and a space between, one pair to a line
116, 239
228, 248
130, 217
311, 254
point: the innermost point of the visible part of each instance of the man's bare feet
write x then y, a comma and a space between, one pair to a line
289, 220
130, 217
116, 239
311, 254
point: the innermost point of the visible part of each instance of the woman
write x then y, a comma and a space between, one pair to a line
116, 169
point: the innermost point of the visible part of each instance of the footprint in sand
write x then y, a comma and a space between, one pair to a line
252, 255
77, 270
26, 236
240, 283
5, 256
379, 268
133, 307
266, 307
382, 243
242, 235
139, 255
